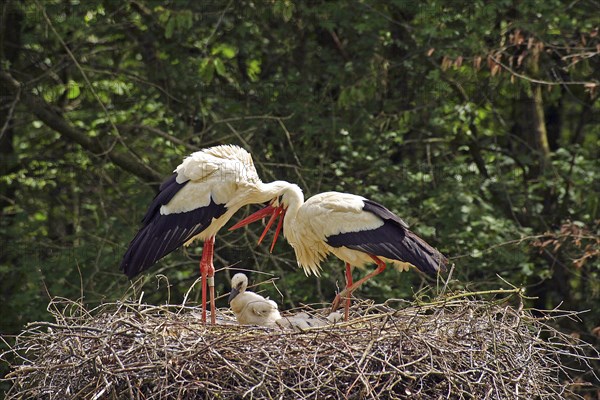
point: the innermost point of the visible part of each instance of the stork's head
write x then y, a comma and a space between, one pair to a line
239, 283
285, 197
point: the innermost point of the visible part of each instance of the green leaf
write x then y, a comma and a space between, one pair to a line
225, 50
170, 28
253, 69
220, 67
39, 216
288, 11
285, 8
72, 90
164, 15
185, 20
207, 70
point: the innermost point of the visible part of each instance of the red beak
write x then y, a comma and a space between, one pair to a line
279, 225
260, 214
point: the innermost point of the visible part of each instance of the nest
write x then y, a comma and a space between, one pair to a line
451, 348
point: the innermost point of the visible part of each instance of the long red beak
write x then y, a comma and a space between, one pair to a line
260, 214
274, 212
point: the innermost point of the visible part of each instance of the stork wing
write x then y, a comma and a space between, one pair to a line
383, 213
231, 162
391, 240
168, 189
161, 234
263, 307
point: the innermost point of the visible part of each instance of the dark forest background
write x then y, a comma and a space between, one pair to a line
477, 123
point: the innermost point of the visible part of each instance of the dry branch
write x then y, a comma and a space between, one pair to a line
463, 349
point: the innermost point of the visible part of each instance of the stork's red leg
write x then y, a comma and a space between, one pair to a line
211, 282
211, 278
348, 284
207, 272
348, 291
203, 275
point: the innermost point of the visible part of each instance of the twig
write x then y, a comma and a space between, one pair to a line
453, 347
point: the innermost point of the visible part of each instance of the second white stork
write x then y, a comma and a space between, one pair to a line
204, 192
356, 230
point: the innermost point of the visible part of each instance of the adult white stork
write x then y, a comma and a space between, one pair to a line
251, 308
356, 230
204, 192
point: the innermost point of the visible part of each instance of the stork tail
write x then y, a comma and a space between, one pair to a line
422, 255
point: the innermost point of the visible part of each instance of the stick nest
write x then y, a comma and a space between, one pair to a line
460, 348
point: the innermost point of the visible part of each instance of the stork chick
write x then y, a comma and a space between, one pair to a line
303, 321
251, 308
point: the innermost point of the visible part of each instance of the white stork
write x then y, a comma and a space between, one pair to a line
356, 230
251, 308
204, 192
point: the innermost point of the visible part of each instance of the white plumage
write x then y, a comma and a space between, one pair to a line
353, 228
324, 215
251, 308
204, 192
303, 321
224, 174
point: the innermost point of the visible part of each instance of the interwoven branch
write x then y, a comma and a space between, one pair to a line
465, 349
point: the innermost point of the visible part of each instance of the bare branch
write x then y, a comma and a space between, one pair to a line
58, 123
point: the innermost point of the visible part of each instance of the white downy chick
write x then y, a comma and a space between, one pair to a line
302, 321
251, 308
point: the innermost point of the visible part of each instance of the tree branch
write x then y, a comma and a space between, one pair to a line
58, 123
160, 133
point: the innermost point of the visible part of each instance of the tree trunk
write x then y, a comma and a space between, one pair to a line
539, 125
532, 129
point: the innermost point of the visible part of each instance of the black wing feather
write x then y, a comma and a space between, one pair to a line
383, 213
161, 234
392, 240
168, 189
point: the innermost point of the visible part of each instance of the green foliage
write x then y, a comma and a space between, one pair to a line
426, 107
